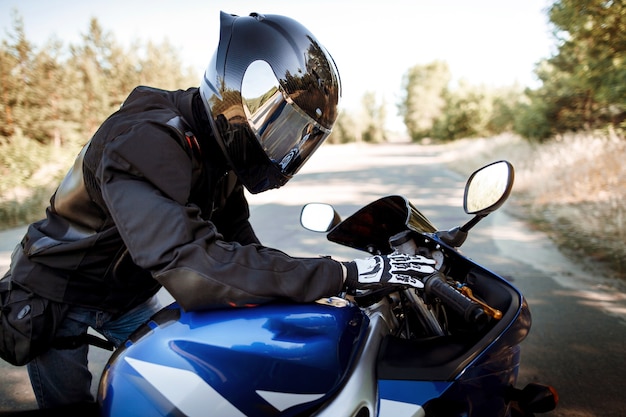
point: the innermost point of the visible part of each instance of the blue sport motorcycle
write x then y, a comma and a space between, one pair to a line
449, 349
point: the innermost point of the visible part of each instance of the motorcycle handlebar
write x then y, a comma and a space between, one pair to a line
471, 311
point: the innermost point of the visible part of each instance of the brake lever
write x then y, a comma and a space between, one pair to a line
490, 311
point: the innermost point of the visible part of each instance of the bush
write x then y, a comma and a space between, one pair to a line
30, 172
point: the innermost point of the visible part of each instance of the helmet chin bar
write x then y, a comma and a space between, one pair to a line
246, 158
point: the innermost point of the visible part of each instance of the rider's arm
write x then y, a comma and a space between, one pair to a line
145, 178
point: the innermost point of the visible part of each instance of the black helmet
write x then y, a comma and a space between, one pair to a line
271, 92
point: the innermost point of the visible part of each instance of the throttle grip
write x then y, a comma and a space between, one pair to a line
471, 311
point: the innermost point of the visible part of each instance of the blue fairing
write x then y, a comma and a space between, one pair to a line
413, 392
256, 361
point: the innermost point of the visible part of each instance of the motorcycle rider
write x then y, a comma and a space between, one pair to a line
156, 198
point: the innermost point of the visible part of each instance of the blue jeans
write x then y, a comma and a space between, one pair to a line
61, 376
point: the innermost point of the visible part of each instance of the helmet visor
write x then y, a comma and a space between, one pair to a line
287, 135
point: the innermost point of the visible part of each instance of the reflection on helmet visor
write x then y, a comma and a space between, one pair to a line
287, 134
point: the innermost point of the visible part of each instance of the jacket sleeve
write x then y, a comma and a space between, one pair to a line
145, 180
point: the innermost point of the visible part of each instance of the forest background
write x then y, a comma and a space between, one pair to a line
565, 137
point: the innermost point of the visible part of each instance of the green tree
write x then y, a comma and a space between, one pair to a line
373, 121
532, 118
8, 90
18, 79
422, 101
92, 60
584, 83
466, 113
505, 106
345, 129
161, 66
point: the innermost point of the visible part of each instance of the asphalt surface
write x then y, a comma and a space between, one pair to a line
578, 339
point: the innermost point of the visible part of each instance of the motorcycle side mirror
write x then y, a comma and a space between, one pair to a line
488, 188
319, 217
485, 192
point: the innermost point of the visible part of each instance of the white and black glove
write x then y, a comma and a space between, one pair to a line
392, 269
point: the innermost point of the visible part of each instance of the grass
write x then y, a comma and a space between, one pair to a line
573, 188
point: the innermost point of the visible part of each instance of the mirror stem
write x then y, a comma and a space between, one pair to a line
456, 236
467, 226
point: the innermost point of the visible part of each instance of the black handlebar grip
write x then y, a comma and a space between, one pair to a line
471, 311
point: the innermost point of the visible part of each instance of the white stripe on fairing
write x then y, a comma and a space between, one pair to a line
283, 400
185, 390
390, 408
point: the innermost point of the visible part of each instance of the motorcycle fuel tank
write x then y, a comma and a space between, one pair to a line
260, 361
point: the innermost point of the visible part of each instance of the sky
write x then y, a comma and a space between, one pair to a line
374, 43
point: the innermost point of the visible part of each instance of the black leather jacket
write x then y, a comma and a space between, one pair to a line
148, 203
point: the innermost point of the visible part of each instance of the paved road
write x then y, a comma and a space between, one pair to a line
578, 338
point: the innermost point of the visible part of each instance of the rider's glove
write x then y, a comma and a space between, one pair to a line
392, 269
